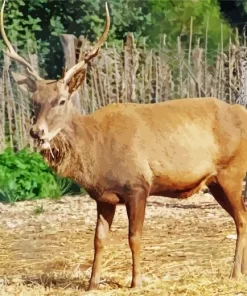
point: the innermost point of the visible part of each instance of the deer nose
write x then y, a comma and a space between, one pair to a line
36, 133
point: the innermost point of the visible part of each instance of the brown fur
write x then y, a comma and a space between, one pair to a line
123, 153
162, 144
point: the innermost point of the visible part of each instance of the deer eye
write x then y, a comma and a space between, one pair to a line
32, 118
62, 102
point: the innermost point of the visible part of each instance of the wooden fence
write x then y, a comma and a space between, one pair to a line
127, 74
130, 73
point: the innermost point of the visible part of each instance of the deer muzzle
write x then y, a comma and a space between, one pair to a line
36, 133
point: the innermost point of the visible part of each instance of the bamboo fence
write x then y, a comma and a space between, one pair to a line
128, 74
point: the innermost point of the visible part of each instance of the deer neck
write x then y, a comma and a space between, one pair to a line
74, 151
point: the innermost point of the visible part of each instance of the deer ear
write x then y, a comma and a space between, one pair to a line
77, 80
26, 83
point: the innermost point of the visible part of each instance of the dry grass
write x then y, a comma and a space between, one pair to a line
185, 250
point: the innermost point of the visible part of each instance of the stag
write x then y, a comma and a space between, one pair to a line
123, 153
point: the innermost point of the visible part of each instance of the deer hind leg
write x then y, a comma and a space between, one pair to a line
135, 206
105, 215
228, 193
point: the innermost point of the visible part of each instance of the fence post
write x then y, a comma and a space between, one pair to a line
69, 43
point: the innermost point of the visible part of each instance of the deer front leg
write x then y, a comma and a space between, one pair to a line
135, 206
105, 215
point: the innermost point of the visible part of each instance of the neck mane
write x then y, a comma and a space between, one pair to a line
73, 151
60, 153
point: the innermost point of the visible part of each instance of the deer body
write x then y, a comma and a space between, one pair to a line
159, 145
123, 153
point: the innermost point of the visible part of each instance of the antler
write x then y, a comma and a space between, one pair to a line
12, 53
79, 66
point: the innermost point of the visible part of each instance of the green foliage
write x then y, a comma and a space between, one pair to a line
44, 21
19, 26
174, 18
24, 175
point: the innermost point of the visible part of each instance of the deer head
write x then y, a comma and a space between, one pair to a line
52, 99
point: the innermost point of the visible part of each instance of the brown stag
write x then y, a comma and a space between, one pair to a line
123, 153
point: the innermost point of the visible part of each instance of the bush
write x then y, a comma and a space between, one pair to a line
25, 176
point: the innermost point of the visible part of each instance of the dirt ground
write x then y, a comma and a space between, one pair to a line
185, 249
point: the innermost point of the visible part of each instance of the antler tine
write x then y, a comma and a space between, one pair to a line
12, 53
79, 66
